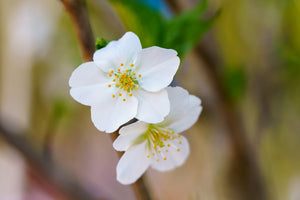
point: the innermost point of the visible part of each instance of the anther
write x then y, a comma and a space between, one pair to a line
178, 149
113, 96
165, 158
180, 142
179, 135
148, 156
131, 65
130, 95
122, 64
109, 85
140, 76
168, 145
153, 153
172, 132
127, 70
112, 71
119, 70
133, 74
124, 99
120, 94
157, 160
109, 75
114, 80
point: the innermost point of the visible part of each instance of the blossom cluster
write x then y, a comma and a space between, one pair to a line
124, 82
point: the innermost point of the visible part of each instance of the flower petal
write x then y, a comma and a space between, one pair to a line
123, 51
153, 106
128, 134
109, 116
174, 157
132, 164
91, 95
87, 74
157, 67
184, 111
89, 85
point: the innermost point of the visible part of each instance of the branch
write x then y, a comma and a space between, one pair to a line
42, 167
78, 13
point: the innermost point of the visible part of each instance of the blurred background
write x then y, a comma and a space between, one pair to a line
241, 57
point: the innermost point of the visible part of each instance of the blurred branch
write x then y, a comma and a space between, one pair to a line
245, 174
78, 13
44, 168
80, 18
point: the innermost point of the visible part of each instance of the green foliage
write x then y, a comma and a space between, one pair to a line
234, 79
181, 32
100, 43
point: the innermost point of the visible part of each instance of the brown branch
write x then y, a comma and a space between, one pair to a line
44, 170
244, 174
78, 13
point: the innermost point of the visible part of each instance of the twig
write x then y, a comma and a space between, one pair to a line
45, 169
245, 173
78, 13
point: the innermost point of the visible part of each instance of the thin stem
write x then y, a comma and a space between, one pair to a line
78, 13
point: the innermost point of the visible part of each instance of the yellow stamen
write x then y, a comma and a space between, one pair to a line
131, 65
167, 151
120, 94
140, 76
168, 145
178, 149
114, 80
157, 160
130, 95
165, 158
109, 75
127, 70
153, 153
112, 71
179, 135
180, 142
122, 64
119, 70
148, 156
109, 85
113, 96
133, 74
124, 99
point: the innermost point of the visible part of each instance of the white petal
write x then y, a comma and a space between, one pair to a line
123, 51
157, 67
128, 134
109, 116
174, 158
93, 94
87, 74
184, 111
153, 106
132, 164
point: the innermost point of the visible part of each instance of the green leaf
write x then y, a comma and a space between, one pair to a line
181, 33
147, 23
184, 31
100, 43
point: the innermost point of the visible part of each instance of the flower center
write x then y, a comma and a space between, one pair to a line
125, 80
160, 141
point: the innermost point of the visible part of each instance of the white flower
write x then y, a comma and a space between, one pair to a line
125, 81
159, 145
